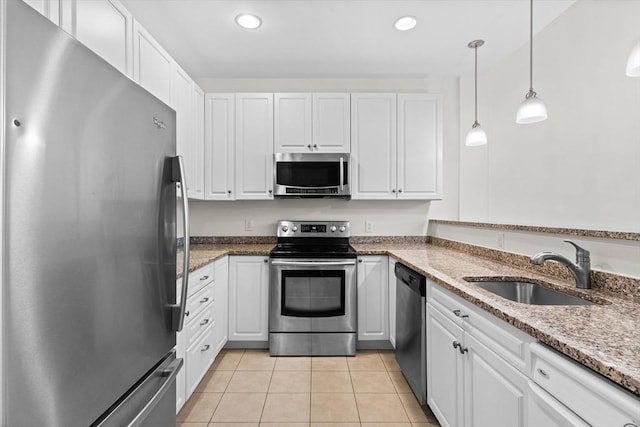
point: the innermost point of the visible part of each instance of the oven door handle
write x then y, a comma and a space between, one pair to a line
313, 263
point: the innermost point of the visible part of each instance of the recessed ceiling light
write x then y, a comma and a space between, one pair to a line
405, 23
250, 22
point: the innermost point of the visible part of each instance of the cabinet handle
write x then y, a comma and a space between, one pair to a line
309, 146
229, 191
315, 146
203, 300
400, 190
463, 350
630, 425
266, 260
270, 191
204, 322
543, 373
186, 313
456, 344
393, 190
458, 313
205, 348
204, 278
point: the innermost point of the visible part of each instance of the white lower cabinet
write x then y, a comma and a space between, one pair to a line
373, 298
195, 343
544, 410
392, 301
468, 383
221, 302
248, 298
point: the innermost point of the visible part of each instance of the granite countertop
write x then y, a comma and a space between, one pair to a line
203, 254
603, 337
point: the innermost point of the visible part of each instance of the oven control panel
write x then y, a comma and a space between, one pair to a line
313, 229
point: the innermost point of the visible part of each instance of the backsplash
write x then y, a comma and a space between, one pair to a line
623, 286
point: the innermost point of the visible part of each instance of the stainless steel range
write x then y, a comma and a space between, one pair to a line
313, 290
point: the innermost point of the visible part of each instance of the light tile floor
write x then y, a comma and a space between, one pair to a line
248, 388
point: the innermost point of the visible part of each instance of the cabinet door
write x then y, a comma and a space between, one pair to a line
495, 392
419, 147
373, 298
50, 9
221, 301
292, 123
104, 26
392, 301
373, 145
199, 357
152, 65
248, 298
332, 122
544, 410
195, 145
444, 369
219, 146
254, 146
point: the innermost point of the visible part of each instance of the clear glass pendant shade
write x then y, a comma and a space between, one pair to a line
476, 136
633, 63
532, 110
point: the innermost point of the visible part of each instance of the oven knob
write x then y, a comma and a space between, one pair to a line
285, 228
343, 228
333, 228
294, 228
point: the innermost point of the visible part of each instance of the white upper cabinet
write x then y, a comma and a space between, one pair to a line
308, 123
331, 122
219, 146
292, 123
254, 146
152, 65
50, 9
396, 156
105, 27
419, 169
196, 146
373, 145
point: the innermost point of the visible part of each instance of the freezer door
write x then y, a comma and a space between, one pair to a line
90, 228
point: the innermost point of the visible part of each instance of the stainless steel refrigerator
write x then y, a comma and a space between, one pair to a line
89, 286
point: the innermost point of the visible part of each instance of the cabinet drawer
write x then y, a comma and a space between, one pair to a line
199, 357
196, 303
200, 278
198, 324
586, 393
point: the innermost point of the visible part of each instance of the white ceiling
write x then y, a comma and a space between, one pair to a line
340, 38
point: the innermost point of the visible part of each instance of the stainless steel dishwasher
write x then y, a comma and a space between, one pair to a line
411, 337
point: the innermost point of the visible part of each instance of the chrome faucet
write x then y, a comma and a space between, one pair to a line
581, 270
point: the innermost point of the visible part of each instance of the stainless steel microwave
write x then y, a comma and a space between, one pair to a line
312, 175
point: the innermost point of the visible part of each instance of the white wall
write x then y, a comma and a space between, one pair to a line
388, 217
581, 167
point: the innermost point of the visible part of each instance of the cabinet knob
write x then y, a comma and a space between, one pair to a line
270, 191
186, 313
229, 191
393, 190
360, 260
309, 146
400, 190
266, 260
315, 146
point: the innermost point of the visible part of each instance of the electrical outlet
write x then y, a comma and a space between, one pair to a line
248, 225
501, 240
368, 227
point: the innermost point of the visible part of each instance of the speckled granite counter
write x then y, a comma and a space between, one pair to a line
605, 338
202, 255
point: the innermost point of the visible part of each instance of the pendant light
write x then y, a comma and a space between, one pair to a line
633, 63
476, 136
532, 109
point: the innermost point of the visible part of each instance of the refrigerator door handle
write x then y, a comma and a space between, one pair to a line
169, 373
178, 309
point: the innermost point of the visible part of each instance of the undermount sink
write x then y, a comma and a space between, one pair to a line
527, 292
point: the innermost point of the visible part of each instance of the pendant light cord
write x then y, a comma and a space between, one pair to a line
476, 86
531, 45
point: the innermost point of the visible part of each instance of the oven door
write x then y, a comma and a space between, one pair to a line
313, 295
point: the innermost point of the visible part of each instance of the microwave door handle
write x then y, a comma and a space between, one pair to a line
341, 174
